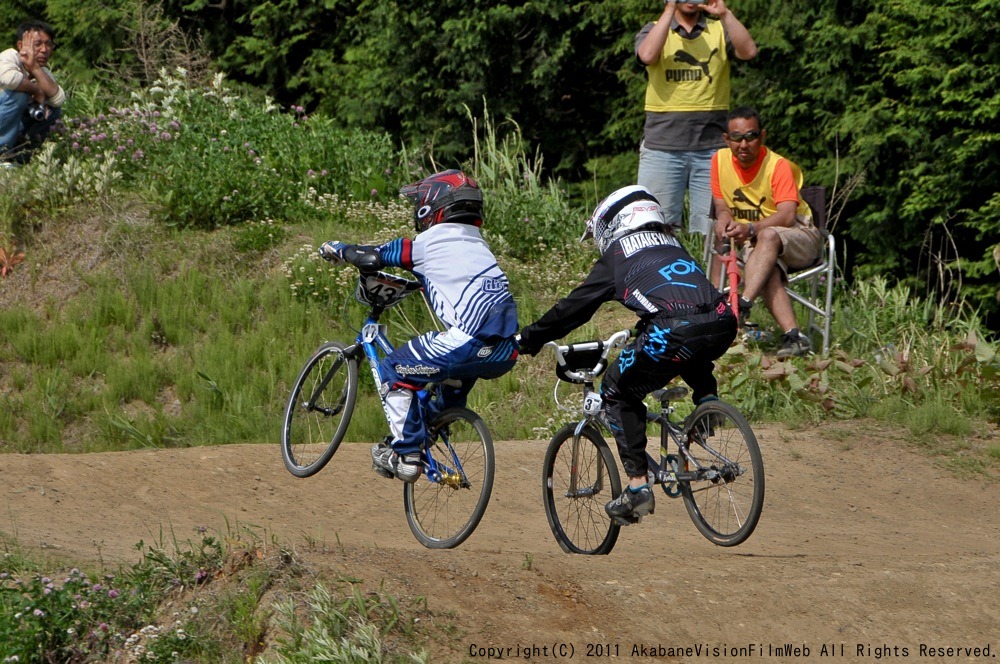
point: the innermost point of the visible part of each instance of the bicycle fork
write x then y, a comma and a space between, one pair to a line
574, 490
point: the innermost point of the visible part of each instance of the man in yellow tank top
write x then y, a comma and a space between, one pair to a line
757, 204
687, 53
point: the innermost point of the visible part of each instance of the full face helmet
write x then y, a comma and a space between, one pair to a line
448, 196
625, 211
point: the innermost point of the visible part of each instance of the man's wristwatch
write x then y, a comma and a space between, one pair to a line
752, 230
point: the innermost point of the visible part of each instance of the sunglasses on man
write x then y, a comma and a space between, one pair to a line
749, 137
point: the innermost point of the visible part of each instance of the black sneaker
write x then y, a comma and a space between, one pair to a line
387, 463
630, 505
794, 344
745, 306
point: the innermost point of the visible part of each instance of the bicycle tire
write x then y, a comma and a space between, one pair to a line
314, 426
726, 510
442, 514
574, 507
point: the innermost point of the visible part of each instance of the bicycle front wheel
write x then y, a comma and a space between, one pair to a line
319, 409
578, 478
726, 506
449, 500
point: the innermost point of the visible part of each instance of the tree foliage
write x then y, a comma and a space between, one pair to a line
904, 93
895, 101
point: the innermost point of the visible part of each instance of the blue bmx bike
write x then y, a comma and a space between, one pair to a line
446, 504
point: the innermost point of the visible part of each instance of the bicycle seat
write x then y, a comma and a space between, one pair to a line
669, 394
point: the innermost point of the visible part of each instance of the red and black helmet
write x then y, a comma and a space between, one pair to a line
448, 196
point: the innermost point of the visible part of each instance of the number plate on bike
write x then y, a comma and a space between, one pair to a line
384, 289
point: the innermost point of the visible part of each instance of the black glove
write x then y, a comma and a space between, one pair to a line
527, 347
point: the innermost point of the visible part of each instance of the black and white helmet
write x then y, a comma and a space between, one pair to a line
625, 211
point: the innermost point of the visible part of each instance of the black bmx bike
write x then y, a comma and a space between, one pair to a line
711, 460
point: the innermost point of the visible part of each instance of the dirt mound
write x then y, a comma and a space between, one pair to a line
864, 548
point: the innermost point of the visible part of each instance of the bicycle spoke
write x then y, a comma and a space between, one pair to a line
577, 482
726, 496
313, 428
444, 507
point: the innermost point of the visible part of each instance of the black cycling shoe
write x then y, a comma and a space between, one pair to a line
630, 506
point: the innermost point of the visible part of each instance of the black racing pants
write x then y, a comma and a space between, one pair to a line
668, 347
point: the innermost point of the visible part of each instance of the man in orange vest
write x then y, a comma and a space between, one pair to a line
757, 204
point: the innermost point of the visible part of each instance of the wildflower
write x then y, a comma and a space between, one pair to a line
112, 593
38, 612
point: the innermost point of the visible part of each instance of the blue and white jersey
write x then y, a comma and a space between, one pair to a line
466, 287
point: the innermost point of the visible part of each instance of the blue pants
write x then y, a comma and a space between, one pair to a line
20, 134
435, 357
669, 175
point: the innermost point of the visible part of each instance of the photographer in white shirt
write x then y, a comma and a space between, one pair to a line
30, 98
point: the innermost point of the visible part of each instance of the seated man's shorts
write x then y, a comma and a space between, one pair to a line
800, 248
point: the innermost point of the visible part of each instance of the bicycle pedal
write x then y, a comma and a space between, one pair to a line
626, 520
379, 470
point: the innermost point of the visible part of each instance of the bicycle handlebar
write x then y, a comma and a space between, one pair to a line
616, 340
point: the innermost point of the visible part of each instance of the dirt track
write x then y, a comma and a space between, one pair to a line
863, 545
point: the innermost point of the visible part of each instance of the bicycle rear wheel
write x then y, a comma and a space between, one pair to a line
446, 504
577, 480
319, 409
725, 509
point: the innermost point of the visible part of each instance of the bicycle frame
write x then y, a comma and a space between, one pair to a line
667, 470
373, 342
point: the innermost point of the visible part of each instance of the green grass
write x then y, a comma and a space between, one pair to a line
204, 599
188, 297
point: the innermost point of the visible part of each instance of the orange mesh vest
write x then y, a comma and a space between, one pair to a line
754, 200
